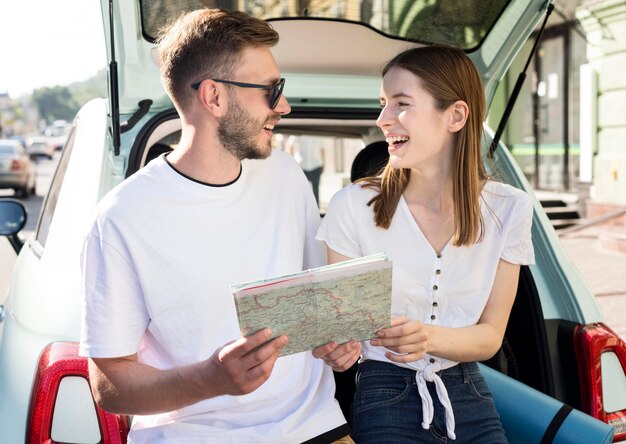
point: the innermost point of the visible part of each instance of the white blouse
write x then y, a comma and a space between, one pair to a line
449, 289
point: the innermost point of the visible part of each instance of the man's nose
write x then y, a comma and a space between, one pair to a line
283, 106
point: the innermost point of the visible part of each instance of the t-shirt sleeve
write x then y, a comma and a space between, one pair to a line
338, 229
518, 248
114, 314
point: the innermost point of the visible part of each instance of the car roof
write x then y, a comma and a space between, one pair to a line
327, 60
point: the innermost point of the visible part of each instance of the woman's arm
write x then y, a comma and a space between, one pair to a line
334, 257
475, 343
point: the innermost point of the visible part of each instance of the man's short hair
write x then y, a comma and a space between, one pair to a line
207, 43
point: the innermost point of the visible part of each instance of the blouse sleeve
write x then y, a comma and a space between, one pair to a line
338, 229
518, 248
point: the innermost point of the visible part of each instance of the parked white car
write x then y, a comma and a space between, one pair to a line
39, 146
556, 341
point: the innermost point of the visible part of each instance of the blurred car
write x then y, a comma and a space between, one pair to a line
57, 133
17, 171
20, 138
556, 341
39, 147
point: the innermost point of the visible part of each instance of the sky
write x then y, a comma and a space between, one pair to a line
49, 43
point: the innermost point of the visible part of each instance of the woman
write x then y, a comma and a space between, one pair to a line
457, 240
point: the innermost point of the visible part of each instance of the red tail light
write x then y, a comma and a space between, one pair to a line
16, 165
591, 342
60, 360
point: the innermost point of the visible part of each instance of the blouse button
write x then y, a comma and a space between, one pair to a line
433, 317
432, 360
435, 287
435, 304
438, 255
438, 272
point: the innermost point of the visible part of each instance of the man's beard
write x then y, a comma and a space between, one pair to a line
238, 133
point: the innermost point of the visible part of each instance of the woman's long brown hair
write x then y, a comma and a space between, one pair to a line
448, 75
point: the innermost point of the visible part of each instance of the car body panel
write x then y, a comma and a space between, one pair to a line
552, 265
55, 290
57, 263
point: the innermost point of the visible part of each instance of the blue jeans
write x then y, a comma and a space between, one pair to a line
388, 409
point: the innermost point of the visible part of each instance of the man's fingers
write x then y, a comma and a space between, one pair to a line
242, 346
261, 361
248, 372
265, 351
260, 373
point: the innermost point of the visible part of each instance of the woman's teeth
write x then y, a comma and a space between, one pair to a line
396, 140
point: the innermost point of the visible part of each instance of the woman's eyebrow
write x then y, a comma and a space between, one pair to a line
399, 95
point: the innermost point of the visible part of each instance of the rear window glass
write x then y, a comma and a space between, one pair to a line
7, 149
462, 24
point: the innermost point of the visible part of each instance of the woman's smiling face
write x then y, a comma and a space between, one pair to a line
415, 129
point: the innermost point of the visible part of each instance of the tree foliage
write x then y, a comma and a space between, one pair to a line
63, 102
55, 103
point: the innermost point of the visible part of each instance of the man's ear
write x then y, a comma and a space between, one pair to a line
212, 98
458, 112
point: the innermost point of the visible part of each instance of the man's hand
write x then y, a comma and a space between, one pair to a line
244, 365
406, 337
124, 385
339, 357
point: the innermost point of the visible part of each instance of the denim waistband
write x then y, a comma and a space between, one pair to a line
377, 369
385, 368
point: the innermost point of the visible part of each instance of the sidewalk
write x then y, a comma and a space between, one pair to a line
604, 270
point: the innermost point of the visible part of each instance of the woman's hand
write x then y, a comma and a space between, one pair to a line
407, 338
339, 357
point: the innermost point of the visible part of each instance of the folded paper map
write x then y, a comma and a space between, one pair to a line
345, 301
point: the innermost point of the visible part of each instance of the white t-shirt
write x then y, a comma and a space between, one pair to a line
157, 267
450, 289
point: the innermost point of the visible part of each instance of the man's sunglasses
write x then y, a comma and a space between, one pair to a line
275, 90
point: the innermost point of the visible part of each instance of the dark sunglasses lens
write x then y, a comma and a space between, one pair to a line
276, 93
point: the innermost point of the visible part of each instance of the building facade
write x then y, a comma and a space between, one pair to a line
604, 23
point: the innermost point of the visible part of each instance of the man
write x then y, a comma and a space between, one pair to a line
160, 325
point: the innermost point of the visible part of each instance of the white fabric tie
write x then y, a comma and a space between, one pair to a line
429, 373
